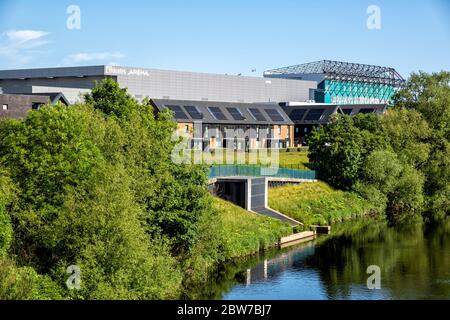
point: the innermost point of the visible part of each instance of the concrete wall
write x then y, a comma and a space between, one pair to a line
258, 193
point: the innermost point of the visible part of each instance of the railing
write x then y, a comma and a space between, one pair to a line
259, 171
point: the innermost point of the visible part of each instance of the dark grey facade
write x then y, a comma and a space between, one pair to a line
17, 106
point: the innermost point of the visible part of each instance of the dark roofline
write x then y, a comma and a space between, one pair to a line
54, 97
331, 110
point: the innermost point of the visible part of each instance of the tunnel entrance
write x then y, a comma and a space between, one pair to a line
249, 193
233, 191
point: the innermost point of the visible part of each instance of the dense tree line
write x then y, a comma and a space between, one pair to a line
399, 161
93, 185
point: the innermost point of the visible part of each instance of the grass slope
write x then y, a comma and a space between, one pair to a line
317, 203
246, 232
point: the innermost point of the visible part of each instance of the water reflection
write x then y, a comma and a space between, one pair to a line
414, 263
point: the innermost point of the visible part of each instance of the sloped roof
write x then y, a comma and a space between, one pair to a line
224, 112
320, 113
53, 96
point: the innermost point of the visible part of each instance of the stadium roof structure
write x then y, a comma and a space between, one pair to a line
341, 71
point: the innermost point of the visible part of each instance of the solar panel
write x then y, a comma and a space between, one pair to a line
274, 114
217, 113
347, 111
366, 110
235, 113
314, 114
179, 113
194, 112
297, 114
257, 114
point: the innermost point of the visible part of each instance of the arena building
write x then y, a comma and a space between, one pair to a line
277, 110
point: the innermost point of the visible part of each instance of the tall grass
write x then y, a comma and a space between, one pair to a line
245, 232
317, 203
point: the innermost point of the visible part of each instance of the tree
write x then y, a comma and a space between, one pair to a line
408, 134
428, 94
338, 150
76, 206
109, 98
392, 185
173, 196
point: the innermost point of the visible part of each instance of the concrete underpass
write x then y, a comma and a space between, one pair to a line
250, 193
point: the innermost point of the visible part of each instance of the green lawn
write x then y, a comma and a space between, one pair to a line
246, 232
292, 159
317, 203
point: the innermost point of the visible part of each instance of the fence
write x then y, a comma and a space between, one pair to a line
259, 171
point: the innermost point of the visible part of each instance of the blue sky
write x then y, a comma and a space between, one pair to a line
228, 36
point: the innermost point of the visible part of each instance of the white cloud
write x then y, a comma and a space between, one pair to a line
92, 56
19, 45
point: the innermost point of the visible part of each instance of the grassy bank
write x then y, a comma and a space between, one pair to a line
317, 203
245, 232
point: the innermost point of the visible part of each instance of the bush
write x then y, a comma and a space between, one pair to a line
25, 284
6, 231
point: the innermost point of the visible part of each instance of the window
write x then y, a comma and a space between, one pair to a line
296, 130
279, 130
297, 114
179, 113
274, 114
206, 131
347, 111
235, 113
5, 107
186, 128
194, 112
217, 113
366, 110
314, 114
257, 115
36, 105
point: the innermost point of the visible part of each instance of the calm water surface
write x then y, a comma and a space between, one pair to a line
414, 263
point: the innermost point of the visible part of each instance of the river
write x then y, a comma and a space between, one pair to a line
414, 263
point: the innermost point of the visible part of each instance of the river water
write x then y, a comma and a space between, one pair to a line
414, 263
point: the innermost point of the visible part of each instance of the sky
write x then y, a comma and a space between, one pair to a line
225, 36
